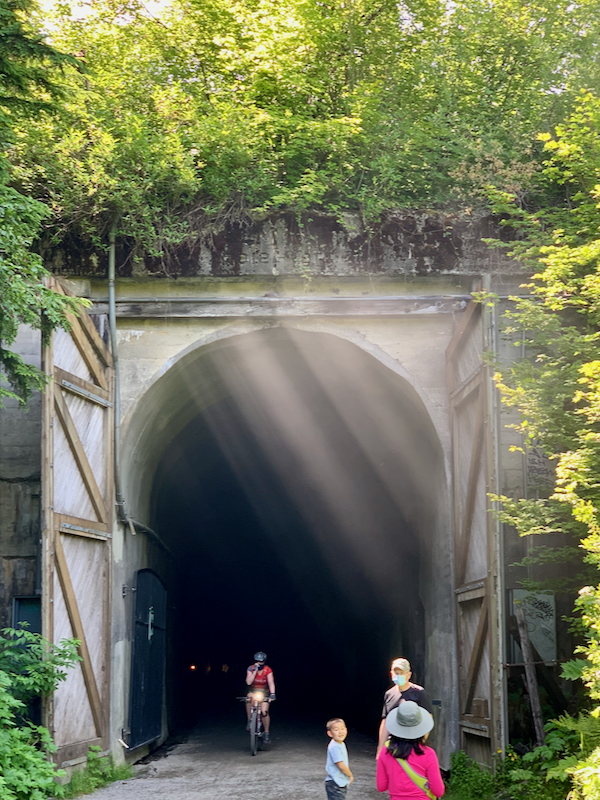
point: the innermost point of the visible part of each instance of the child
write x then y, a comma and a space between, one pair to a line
407, 768
339, 776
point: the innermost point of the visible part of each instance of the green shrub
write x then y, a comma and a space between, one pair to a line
98, 772
516, 777
468, 781
29, 666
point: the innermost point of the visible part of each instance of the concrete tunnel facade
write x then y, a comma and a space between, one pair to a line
380, 480
237, 376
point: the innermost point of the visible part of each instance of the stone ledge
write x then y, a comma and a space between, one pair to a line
217, 307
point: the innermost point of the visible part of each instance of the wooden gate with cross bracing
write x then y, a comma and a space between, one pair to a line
77, 507
472, 467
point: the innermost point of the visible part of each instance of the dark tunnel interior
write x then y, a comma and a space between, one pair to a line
294, 510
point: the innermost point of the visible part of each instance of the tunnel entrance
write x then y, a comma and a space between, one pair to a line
299, 486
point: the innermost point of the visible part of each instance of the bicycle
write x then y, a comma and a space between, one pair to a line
256, 724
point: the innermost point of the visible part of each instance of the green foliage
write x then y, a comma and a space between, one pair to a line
24, 299
542, 774
27, 87
573, 670
29, 666
468, 781
557, 391
220, 109
98, 772
542, 517
28, 65
35, 667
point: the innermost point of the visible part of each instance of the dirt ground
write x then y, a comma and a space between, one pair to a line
214, 763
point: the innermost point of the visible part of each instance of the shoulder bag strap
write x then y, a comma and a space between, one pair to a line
419, 780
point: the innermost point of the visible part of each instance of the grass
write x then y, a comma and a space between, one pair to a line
98, 772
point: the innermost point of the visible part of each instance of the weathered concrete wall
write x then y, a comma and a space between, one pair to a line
157, 402
20, 464
405, 243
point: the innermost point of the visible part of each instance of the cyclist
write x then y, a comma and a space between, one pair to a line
259, 677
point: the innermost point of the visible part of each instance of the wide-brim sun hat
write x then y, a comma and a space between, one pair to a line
409, 721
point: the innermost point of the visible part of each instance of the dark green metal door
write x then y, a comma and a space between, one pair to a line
148, 660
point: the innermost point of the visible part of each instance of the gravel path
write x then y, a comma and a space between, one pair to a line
214, 763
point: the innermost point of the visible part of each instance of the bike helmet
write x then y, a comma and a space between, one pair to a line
260, 656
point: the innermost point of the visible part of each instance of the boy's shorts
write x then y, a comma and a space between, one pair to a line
335, 792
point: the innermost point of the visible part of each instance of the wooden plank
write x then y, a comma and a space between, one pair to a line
86, 323
47, 517
476, 654
471, 591
56, 286
470, 384
469, 509
101, 527
476, 728
79, 633
75, 526
545, 675
469, 317
77, 751
95, 339
530, 676
80, 457
88, 353
73, 383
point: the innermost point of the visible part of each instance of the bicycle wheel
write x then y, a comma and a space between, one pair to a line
253, 732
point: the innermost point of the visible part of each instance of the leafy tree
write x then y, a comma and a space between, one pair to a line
222, 110
557, 388
28, 67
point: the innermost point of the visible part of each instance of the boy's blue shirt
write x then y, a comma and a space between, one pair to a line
336, 751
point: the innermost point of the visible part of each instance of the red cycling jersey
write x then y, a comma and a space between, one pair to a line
260, 678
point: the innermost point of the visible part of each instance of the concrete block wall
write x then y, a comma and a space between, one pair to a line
20, 466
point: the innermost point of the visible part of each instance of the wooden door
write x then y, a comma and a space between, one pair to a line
77, 503
470, 425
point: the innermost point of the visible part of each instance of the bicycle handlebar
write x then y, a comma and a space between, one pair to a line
246, 699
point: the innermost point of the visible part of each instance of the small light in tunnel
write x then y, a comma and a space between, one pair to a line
192, 667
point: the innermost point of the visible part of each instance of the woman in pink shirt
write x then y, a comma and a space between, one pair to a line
407, 768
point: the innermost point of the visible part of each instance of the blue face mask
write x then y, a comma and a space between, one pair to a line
399, 680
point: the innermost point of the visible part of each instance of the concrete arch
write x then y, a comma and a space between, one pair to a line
139, 408
198, 377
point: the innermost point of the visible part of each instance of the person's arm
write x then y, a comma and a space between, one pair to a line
251, 673
271, 682
425, 702
434, 776
381, 739
346, 770
381, 776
